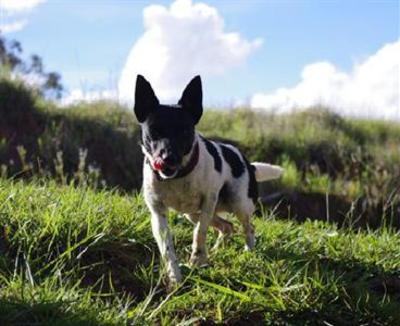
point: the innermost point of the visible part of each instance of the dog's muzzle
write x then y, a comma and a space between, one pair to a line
159, 165
167, 170
167, 164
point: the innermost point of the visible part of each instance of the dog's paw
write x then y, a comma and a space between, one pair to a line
248, 248
174, 274
198, 260
172, 284
175, 279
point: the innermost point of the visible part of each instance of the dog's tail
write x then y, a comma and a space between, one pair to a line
265, 171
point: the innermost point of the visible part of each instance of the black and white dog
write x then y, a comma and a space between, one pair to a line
192, 175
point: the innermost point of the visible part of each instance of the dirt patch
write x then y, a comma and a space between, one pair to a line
112, 266
316, 206
386, 284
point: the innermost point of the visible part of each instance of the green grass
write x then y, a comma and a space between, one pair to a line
75, 256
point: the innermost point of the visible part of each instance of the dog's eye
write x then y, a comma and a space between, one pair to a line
155, 134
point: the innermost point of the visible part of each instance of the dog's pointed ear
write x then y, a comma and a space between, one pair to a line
145, 99
192, 99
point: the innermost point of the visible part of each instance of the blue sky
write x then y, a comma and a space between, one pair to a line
88, 42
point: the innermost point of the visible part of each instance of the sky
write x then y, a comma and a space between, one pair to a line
272, 55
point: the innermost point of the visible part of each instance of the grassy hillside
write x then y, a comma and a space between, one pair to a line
75, 240
337, 169
37, 138
78, 256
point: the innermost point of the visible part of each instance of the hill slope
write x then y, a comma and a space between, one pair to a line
77, 256
338, 169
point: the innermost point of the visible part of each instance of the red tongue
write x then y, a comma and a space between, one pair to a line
158, 165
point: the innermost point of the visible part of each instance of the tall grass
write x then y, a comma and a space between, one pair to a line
78, 256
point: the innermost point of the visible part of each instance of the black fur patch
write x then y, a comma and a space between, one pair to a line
224, 194
252, 191
214, 153
233, 160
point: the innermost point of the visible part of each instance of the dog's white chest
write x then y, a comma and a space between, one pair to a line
181, 196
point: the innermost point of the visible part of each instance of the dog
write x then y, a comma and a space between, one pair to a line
194, 176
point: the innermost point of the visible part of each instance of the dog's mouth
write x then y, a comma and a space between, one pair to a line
165, 169
169, 172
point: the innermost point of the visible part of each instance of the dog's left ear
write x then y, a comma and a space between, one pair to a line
145, 99
192, 99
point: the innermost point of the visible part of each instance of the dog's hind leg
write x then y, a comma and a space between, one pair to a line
193, 218
248, 229
224, 228
244, 210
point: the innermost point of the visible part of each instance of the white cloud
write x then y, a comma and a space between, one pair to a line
13, 27
19, 5
77, 96
11, 11
179, 42
370, 90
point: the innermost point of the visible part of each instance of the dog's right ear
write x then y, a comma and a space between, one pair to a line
145, 99
192, 99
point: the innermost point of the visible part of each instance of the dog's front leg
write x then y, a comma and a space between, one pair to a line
162, 235
199, 248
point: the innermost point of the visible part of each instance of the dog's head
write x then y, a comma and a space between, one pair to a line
168, 130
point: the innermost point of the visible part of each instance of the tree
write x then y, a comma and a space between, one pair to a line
10, 58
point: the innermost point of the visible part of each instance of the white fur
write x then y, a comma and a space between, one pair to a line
265, 171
